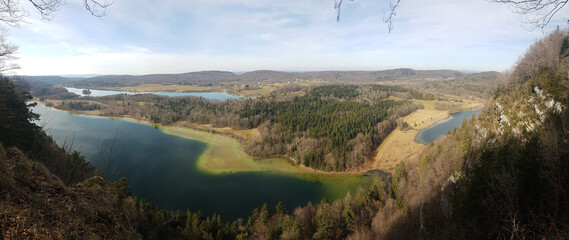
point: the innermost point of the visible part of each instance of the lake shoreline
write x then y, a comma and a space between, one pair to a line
163, 168
400, 146
378, 160
212, 95
207, 128
454, 117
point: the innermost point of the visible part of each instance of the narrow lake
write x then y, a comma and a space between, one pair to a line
221, 96
431, 133
163, 168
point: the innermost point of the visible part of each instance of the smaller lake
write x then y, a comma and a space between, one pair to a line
221, 96
442, 127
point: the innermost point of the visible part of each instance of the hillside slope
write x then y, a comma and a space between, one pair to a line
35, 204
503, 175
209, 78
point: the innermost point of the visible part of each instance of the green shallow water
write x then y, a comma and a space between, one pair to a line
163, 168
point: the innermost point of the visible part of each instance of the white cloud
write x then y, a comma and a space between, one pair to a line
266, 36
179, 36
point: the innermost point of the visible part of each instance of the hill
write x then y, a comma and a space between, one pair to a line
209, 78
49, 79
503, 175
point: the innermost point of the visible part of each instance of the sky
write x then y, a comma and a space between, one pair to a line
176, 36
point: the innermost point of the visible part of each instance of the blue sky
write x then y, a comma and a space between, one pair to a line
176, 36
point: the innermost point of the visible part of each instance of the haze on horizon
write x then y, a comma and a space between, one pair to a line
146, 37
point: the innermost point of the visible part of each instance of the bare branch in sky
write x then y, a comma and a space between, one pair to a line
98, 8
46, 8
7, 51
388, 18
12, 13
338, 7
538, 13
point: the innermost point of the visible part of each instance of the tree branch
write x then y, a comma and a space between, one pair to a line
338, 7
98, 8
538, 13
392, 13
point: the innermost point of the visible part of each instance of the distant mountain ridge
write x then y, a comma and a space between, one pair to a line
208, 78
49, 79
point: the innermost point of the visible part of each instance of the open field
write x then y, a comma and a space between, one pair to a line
255, 91
167, 88
264, 90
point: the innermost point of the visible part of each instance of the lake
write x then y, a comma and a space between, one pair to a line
163, 168
442, 127
221, 96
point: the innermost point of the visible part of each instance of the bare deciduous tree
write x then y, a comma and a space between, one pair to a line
12, 14
538, 13
7, 51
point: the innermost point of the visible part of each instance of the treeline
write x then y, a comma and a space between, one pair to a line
17, 130
48, 91
79, 105
264, 77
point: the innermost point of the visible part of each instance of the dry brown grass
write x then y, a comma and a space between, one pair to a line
167, 88
400, 145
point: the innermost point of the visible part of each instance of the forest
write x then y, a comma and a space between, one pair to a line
327, 128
